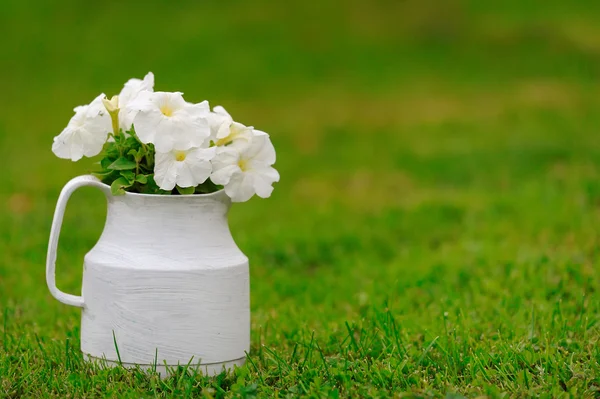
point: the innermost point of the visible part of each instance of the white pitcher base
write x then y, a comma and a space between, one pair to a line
209, 369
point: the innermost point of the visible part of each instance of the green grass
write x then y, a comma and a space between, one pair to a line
436, 229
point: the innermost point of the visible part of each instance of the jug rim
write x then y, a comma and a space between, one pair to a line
175, 197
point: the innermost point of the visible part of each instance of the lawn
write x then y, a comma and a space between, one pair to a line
436, 230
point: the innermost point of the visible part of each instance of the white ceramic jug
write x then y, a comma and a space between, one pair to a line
165, 285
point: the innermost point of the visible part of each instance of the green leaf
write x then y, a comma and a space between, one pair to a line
122, 164
131, 142
133, 152
144, 170
207, 187
106, 162
142, 179
151, 187
111, 150
129, 175
118, 186
186, 190
107, 176
138, 154
101, 174
120, 139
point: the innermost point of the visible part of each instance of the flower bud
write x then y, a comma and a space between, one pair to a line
112, 105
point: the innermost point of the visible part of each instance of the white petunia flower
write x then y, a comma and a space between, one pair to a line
169, 122
246, 171
86, 132
185, 168
226, 132
127, 97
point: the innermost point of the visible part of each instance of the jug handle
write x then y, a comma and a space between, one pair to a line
65, 194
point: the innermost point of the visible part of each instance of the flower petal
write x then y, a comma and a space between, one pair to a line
263, 181
165, 170
223, 175
133, 87
219, 119
185, 177
261, 149
219, 110
240, 187
198, 163
146, 124
224, 164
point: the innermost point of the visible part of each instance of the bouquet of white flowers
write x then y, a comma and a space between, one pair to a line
157, 143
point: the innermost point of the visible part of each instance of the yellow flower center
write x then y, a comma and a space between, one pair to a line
166, 110
180, 156
243, 164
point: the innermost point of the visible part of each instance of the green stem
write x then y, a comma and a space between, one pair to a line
119, 142
149, 160
115, 122
147, 155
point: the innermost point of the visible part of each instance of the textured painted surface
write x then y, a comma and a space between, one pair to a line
165, 281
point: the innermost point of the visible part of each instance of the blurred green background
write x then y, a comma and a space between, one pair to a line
439, 163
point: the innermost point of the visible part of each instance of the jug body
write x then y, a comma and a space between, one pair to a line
165, 285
